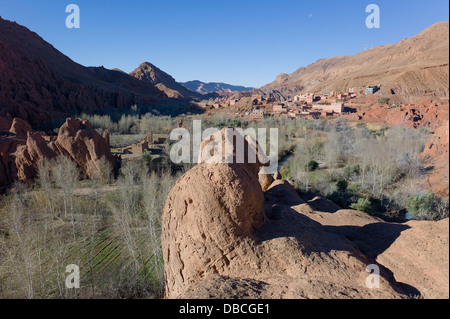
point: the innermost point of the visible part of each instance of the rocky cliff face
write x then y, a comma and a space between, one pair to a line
415, 66
223, 237
39, 83
149, 73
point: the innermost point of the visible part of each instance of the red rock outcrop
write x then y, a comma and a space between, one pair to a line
23, 149
217, 231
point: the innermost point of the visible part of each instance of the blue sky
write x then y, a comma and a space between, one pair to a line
242, 42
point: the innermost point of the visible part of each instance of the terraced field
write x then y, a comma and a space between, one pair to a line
106, 253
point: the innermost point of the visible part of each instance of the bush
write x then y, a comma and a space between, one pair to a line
427, 206
363, 204
338, 198
383, 100
312, 166
147, 156
341, 185
420, 205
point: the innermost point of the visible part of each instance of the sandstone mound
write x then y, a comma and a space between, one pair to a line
221, 240
84, 145
22, 149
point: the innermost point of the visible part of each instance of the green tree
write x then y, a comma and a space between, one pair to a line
312, 165
363, 204
341, 184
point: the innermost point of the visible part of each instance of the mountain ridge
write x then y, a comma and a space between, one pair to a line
149, 73
210, 87
416, 65
39, 84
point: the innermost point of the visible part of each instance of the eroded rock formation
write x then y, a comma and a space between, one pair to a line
223, 237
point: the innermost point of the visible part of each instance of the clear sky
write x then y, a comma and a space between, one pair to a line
242, 42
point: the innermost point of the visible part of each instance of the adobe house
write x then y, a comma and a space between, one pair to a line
257, 114
326, 113
136, 148
371, 89
308, 97
159, 140
279, 108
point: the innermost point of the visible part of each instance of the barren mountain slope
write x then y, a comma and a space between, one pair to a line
149, 73
38, 83
416, 65
205, 88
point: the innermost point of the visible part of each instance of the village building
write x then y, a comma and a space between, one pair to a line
354, 90
371, 89
257, 114
279, 108
308, 98
337, 107
136, 148
326, 113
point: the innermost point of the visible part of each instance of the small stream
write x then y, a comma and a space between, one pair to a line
284, 160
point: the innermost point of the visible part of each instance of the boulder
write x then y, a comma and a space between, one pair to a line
265, 180
20, 127
219, 233
277, 175
84, 145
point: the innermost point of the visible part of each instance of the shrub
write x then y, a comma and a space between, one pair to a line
427, 206
363, 204
383, 100
339, 198
341, 185
147, 156
312, 166
285, 172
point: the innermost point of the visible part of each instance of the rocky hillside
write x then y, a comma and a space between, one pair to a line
224, 237
415, 66
38, 83
149, 73
210, 87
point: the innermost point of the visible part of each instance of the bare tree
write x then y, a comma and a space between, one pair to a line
66, 174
